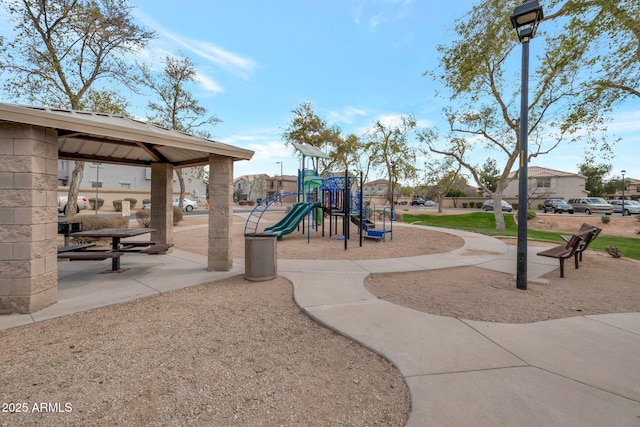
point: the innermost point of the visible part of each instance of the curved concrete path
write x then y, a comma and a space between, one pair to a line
581, 371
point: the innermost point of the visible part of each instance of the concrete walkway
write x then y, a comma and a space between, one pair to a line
582, 371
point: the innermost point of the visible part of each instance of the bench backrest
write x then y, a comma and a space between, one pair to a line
69, 227
581, 240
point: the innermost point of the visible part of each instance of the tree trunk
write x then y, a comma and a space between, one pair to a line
497, 212
74, 188
182, 188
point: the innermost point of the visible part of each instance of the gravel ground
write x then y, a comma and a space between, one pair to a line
238, 353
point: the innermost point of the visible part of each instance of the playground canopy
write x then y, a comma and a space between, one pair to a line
310, 151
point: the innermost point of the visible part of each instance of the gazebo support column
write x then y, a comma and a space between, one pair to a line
220, 257
28, 223
161, 202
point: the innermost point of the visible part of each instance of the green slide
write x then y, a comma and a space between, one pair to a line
291, 220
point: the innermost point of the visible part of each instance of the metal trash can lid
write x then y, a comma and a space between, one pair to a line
261, 235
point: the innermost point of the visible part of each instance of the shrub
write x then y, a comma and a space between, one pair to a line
117, 205
638, 217
143, 216
530, 214
251, 202
540, 207
242, 203
606, 219
94, 222
614, 251
146, 201
464, 205
132, 202
177, 215
92, 202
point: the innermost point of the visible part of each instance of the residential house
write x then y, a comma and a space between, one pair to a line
377, 188
118, 181
545, 183
260, 186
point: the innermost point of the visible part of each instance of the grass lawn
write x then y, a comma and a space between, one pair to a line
485, 223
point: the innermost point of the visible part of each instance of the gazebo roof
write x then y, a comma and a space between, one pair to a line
106, 138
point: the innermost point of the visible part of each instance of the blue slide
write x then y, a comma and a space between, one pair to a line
291, 220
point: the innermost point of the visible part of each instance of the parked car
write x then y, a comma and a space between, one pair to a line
631, 207
187, 205
556, 206
591, 205
488, 206
80, 204
430, 204
417, 201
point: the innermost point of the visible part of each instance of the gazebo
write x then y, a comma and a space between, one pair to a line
33, 139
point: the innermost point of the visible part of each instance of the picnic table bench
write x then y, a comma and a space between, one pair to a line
577, 243
90, 255
74, 248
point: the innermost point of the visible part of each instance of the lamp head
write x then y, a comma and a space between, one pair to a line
525, 19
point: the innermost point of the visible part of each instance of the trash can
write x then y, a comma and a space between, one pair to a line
260, 256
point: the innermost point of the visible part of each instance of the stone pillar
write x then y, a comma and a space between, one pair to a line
28, 218
220, 257
161, 202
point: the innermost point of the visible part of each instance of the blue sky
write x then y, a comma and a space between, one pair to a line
357, 61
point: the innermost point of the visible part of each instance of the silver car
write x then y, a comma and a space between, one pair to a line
631, 207
590, 205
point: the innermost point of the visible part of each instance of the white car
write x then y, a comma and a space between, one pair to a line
80, 204
187, 205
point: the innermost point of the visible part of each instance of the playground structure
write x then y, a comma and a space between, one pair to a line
323, 200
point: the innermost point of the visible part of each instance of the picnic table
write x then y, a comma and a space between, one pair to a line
116, 235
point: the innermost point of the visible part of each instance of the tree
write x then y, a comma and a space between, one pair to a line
177, 108
62, 49
595, 178
390, 150
609, 43
444, 176
306, 127
613, 186
351, 154
486, 115
489, 174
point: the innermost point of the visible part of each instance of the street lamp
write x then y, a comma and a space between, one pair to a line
280, 186
525, 20
623, 172
393, 188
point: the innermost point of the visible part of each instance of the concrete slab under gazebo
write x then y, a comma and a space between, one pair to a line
33, 139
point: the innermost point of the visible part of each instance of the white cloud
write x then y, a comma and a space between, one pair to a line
346, 115
232, 63
209, 84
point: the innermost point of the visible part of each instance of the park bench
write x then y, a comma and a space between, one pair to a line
595, 231
568, 250
66, 228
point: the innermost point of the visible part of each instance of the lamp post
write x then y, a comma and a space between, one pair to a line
623, 172
280, 186
393, 188
525, 20
98, 184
